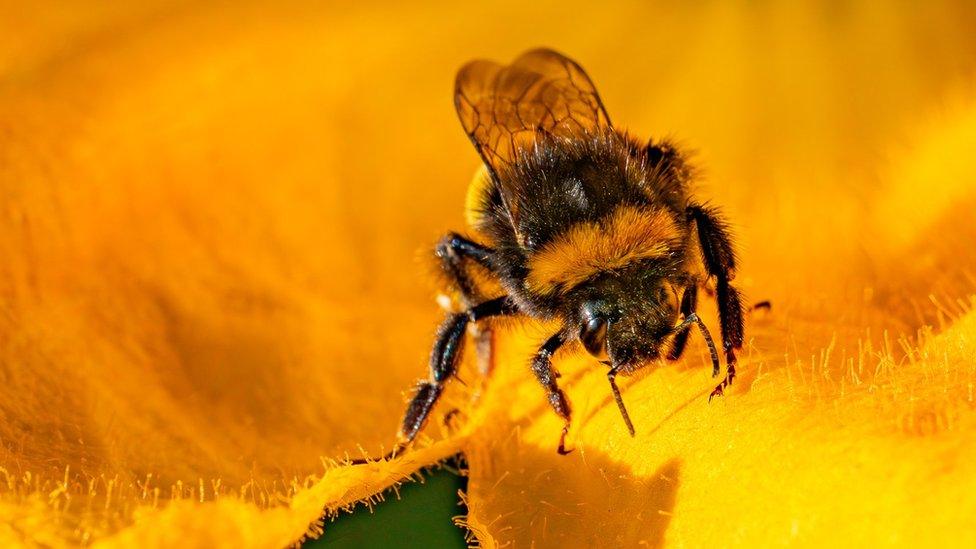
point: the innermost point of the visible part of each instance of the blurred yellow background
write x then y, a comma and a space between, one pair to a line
214, 226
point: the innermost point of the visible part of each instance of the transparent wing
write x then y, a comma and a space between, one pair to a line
503, 108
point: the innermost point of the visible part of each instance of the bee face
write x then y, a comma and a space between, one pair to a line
626, 320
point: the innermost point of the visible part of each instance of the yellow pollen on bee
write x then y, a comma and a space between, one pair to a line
474, 201
629, 234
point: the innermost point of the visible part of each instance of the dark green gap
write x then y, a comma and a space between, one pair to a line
420, 518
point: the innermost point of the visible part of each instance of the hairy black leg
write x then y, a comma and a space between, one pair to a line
689, 303
683, 327
444, 358
542, 368
685, 324
719, 259
455, 251
730, 318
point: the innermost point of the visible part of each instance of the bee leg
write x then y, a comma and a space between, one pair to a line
689, 304
454, 252
719, 260
730, 321
444, 358
542, 368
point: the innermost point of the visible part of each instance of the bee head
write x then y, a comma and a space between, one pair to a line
627, 323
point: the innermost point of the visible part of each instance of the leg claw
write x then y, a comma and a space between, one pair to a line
449, 417
562, 443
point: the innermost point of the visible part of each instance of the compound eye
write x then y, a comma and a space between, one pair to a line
593, 335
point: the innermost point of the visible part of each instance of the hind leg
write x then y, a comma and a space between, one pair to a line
444, 358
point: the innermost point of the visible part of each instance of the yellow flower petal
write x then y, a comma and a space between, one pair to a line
209, 222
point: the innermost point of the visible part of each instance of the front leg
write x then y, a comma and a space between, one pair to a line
542, 368
456, 254
719, 259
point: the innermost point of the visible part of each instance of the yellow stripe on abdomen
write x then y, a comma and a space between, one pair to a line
629, 234
476, 198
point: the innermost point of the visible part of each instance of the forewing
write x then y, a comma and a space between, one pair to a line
504, 108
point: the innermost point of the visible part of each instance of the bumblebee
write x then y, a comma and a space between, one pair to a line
578, 223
